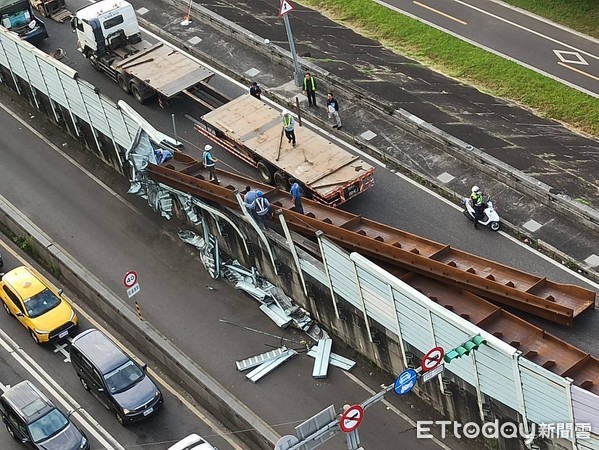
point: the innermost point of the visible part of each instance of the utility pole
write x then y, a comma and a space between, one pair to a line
284, 11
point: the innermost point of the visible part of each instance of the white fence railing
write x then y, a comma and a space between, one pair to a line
47, 76
496, 369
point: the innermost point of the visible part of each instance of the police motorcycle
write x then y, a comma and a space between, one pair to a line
490, 217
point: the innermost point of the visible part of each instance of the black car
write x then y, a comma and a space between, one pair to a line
114, 378
31, 418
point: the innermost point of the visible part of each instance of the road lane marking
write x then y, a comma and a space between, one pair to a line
506, 235
492, 50
522, 27
61, 347
68, 158
68, 402
440, 12
582, 72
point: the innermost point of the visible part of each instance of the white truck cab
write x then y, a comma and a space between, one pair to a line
105, 26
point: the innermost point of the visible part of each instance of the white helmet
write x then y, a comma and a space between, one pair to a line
285, 112
207, 147
475, 189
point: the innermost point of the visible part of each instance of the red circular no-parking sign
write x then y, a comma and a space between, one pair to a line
432, 359
351, 418
130, 279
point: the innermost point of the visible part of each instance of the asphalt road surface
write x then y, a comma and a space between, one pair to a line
49, 368
534, 42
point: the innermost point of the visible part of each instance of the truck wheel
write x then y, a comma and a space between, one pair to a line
44, 11
123, 83
281, 180
136, 92
264, 171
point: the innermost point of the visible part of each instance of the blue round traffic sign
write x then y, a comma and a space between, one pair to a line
405, 381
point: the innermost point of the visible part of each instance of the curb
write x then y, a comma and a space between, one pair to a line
204, 388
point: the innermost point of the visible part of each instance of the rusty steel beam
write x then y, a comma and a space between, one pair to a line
535, 344
507, 286
560, 302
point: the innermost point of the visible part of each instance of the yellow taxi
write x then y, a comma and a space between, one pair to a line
37, 304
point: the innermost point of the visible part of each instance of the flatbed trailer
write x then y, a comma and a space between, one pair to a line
252, 130
159, 68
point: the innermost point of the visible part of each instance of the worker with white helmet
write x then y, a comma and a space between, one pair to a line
262, 208
289, 126
210, 163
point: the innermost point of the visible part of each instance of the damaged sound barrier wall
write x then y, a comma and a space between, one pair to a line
387, 321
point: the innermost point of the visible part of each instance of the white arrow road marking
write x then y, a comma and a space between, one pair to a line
61, 348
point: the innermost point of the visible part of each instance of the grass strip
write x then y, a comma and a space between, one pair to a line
458, 59
580, 15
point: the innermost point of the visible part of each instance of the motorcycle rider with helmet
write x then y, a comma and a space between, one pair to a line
478, 203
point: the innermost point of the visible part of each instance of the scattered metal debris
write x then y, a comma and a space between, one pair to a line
267, 367
276, 314
186, 202
191, 238
335, 360
210, 255
254, 361
159, 199
208, 247
274, 302
322, 357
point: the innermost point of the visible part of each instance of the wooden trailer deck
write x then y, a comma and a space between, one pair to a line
316, 162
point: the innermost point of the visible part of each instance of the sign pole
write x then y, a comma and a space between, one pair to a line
296, 67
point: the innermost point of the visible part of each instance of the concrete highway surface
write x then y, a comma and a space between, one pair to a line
532, 41
49, 368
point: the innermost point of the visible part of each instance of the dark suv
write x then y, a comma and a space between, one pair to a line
34, 420
114, 378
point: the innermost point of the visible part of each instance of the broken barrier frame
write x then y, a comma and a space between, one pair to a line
200, 204
319, 236
293, 252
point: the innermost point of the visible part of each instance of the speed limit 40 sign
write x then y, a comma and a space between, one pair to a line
131, 283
